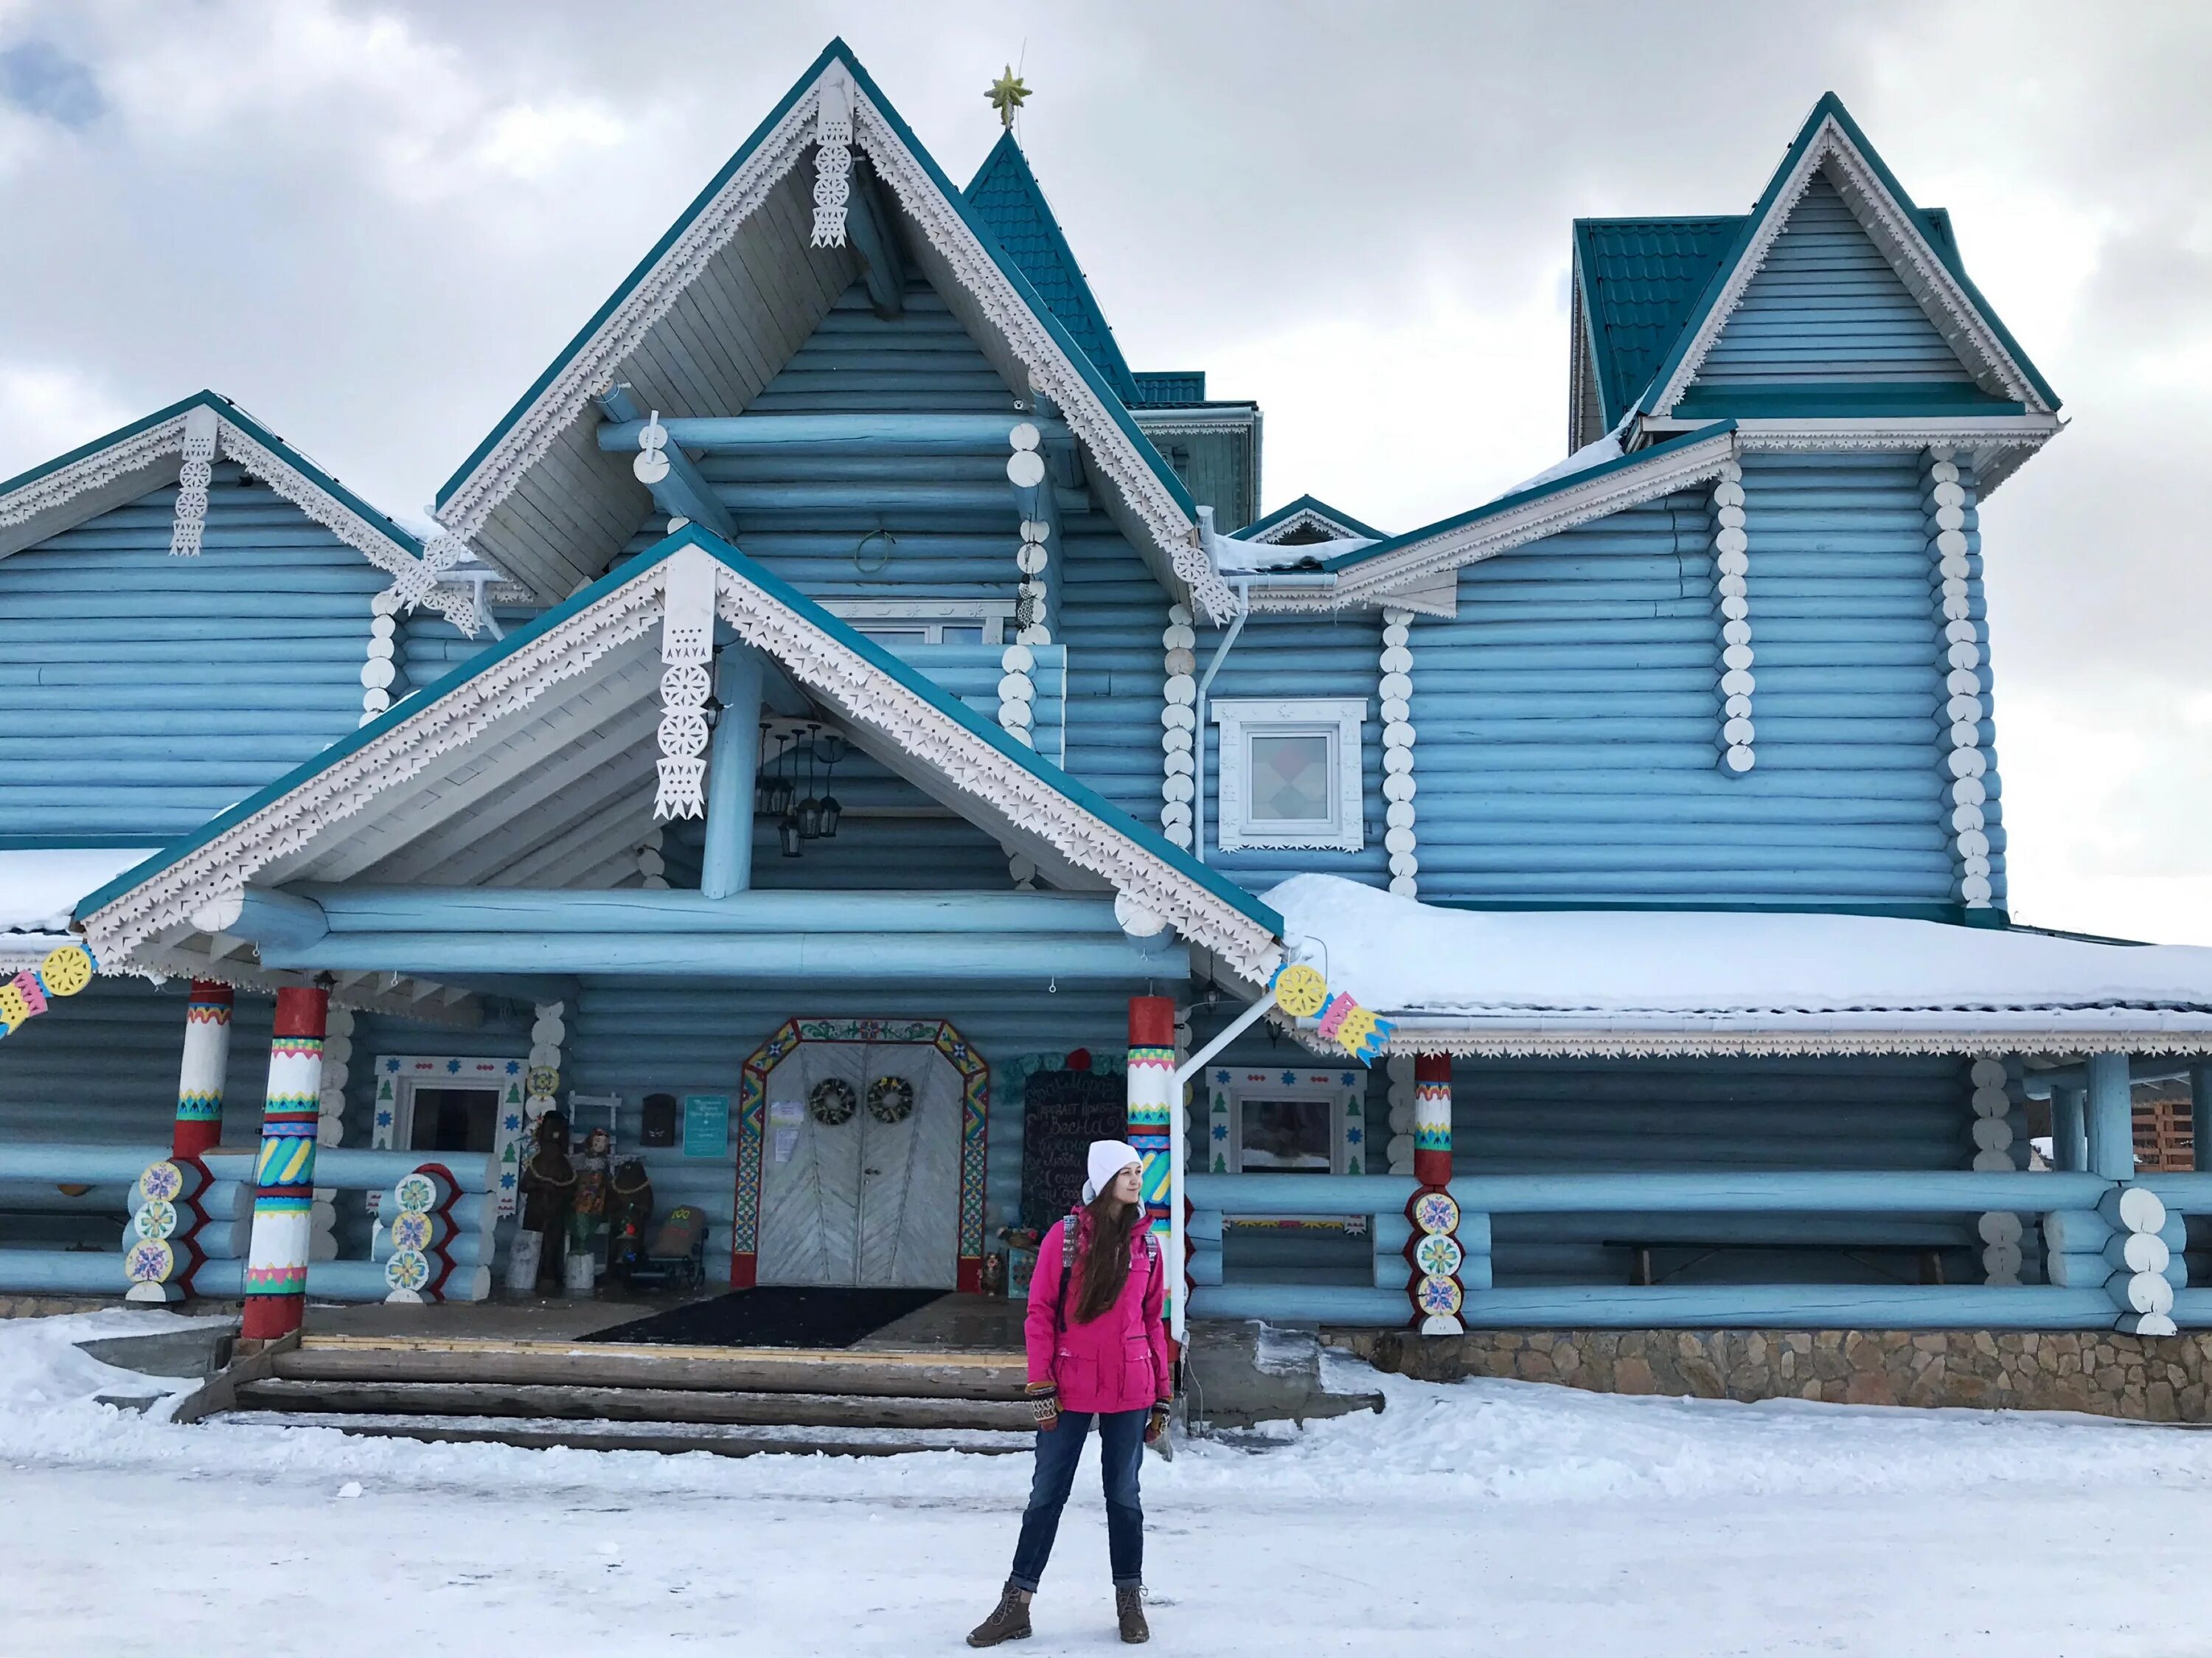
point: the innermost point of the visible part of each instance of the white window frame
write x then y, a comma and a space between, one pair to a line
1339, 719
993, 613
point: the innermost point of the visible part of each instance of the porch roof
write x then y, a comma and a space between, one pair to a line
1642, 982
511, 712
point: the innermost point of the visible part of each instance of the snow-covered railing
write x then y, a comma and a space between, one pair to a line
2116, 1248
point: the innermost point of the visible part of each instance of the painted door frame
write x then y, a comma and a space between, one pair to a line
752, 1121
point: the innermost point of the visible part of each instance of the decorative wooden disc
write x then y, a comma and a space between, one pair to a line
418, 1193
411, 1230
156, 1219
407, 1270
1436, 1211
1300, 992
1438, 1297
162, 1181
542, 1079
1439, 1255
66, 969
150, 1260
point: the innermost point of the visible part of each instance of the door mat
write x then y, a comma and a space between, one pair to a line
774, 1315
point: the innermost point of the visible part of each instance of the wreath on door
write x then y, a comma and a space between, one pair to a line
891, 1098
832, 1101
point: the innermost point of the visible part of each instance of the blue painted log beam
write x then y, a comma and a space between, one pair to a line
836, 434
683, 493
731, 764
744, 957
1712, 1307
877, 244
1857, 1192
515, 909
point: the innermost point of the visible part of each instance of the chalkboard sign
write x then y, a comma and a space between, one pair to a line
1063, 1112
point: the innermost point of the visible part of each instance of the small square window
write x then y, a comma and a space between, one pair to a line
1290, 773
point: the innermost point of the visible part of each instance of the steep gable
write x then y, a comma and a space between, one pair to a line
1005, 196
1637, 283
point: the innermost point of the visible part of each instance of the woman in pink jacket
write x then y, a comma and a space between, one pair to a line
1096, 1348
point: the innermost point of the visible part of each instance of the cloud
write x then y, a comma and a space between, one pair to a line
40, 79
46, 410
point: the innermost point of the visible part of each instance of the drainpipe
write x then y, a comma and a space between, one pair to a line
1198, 707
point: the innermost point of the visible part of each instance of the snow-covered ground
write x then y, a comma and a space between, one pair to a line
1483, 1517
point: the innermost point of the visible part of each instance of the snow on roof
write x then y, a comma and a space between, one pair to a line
1558, 971
1232, 557
40, 890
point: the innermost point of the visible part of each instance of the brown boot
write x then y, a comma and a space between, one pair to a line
1129, 1608
1009, 1619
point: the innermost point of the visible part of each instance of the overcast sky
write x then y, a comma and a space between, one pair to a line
374, 225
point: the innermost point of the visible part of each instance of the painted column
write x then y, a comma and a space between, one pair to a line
1434, 1250
283, 1197
733, 759
198, 1127
2068, 1137
1152, 1105
2112, 1119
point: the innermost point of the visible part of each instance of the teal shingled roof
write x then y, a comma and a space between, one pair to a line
1640, 279
1005, 196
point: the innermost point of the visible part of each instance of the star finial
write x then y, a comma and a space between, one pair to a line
1007, 95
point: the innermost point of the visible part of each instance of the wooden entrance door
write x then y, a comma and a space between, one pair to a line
855, 1190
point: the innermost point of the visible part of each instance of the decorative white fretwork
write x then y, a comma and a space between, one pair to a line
1959, 718
193, 480
1954, 314
1395, 691
687, 647
1732, 598
833, 156
1179, 720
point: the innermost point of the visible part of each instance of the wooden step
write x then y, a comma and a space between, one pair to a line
631, 1405
590, 1364
672, 1438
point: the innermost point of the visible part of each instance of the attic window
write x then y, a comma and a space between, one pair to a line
1290, 773
925, 621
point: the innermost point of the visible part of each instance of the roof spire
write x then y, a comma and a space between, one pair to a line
1007, 95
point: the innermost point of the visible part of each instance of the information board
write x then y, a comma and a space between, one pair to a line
706, 1125
1063, 1112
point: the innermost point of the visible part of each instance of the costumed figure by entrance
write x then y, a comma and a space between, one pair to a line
549, 1190
1098, 1348
588, 1219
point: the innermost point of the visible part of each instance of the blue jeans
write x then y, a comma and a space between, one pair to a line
1121, 1450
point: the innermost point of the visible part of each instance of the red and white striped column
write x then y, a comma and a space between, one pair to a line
1434, 1250
198, 1127
1151, 1103
284, 1189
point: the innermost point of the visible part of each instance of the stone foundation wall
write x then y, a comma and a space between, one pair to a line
44, 1307
2151, 1379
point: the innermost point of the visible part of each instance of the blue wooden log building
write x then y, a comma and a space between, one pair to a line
840, 665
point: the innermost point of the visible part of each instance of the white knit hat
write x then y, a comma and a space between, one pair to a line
1108, 1158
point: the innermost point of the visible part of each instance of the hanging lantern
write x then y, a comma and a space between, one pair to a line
832, 748
780, 789
786, 832
809, 809
762, 782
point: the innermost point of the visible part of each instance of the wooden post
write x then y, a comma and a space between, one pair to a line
2111, 1118
2068, 1137
734, 761
1151, 1106
1434, 1250
2200, 1114
284, 1189
198, 1126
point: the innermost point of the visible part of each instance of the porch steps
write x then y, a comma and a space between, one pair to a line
729, 1401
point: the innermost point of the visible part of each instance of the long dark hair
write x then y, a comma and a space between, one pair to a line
1106, 1255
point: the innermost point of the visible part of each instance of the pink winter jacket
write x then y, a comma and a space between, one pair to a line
1117, 1362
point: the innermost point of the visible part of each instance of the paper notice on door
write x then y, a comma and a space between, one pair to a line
783, 1144
781, 1111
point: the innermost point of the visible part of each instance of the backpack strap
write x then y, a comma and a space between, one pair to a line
1066, 1264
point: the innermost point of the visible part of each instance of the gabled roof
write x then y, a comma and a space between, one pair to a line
148, 454
1307, 512
642, 334
1639, 279
1005, 196
277, 834
1921, 249
1394, 567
